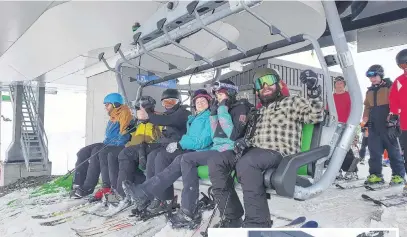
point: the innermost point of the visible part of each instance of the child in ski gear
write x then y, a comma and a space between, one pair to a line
149, 195
343, 104
173, 121
276, 133
376, 114
116, 137
145, 133
398, 103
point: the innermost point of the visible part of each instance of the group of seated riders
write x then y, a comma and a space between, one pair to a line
169, 145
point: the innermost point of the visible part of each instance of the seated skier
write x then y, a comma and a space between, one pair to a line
173, 120
116, 137
276, 134
228, 122
144, 133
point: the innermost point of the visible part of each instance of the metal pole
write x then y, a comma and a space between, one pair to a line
346, 62
1, 101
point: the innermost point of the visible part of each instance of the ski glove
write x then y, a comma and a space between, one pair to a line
241, 145
214, 107
173, 146
393, 127
310, 79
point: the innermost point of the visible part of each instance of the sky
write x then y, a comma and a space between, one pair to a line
65, 113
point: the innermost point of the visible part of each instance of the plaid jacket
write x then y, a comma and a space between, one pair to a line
279, 126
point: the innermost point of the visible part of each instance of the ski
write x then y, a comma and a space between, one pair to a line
61, 220
341, 186
310, 224
381, 187
112, 210
62, 212
105, 224
387, 201
294, 223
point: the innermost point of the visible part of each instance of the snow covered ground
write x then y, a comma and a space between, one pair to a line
333, 209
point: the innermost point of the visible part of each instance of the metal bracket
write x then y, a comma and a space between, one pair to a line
102, 58
196, 56
345, 59
273, 30
117, 49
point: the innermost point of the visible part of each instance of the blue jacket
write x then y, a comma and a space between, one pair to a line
198, 136
113, 136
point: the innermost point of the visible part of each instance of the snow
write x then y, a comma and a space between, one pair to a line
332, 209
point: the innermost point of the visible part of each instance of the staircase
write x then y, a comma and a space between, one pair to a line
34, 141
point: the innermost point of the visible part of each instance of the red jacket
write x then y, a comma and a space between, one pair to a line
398, 100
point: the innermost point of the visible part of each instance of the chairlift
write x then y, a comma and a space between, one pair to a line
328, 140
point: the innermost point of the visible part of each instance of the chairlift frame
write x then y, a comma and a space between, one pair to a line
337, 136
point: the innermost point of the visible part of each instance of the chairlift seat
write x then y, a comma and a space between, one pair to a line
293, 169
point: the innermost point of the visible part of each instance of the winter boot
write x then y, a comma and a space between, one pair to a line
182, 219
374, 179
351, 176
138, 197
73, 190
228, 223
80, 193
157, 206
339, 176
397, 180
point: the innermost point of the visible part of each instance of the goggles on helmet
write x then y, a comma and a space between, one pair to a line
219, 85
266, 79
371, 74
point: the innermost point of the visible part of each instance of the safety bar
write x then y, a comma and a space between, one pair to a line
349, 72
117, 49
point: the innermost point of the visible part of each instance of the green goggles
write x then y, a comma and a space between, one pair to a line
266, 79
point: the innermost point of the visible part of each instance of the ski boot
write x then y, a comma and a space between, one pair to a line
374, 179
100, 194
73, 190
138, 197
80, 193
157, 206
351, 176
397, 180
206, 203
183, 220
339, 176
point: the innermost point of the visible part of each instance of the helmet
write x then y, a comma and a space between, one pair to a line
266, 75
227, 85
375, 70
170, 94
401, 59
201, 93
339, 78
146, 102
113, 98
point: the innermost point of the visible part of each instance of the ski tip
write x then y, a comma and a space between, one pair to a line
310, 224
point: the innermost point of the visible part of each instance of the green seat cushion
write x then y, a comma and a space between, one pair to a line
307, 131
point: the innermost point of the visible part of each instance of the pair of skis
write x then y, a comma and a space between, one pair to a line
387, 201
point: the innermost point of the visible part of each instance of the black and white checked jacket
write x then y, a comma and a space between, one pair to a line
279, 126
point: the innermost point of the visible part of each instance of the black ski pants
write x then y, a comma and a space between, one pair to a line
347, 162
377, 143
185, 166
128, 160
362, 151
81, 172
157, 164
249, 168
403, 143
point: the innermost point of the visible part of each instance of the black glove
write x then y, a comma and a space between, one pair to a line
214, 107
132, 127
393, 127
240, 146
310, 79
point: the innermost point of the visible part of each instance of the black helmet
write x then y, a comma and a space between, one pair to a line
273, 78
146, 102
401, 58
171, 94
227, 84
375, 70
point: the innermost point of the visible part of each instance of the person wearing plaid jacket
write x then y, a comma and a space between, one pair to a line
277, 134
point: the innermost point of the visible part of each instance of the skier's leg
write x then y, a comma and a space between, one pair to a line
403, 143
220, 168
347, 162
189, 169
162, 161
92, 177
104, 169
83, 154
128, 161
376, 149
250, 170
150, 168
362, 151
113, 165
396, 160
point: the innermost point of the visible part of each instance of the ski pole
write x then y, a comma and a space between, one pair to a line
83, 162
398, 143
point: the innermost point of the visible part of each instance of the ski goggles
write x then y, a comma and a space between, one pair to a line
266, 79
371, 74
217, 85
